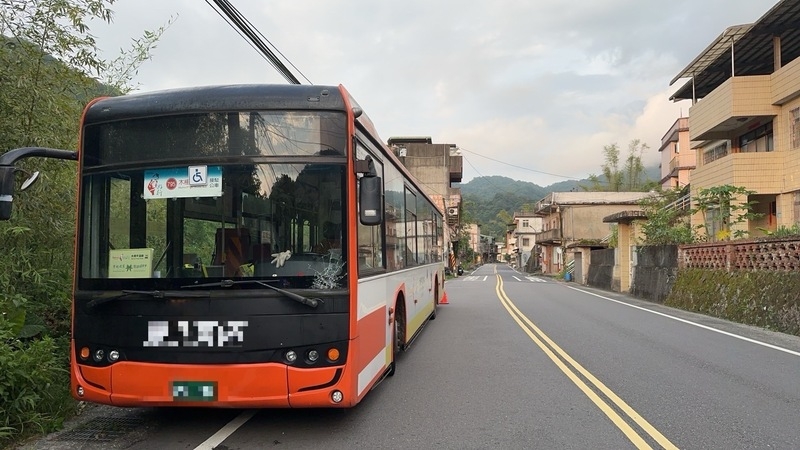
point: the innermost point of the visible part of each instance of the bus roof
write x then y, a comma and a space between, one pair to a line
242, 97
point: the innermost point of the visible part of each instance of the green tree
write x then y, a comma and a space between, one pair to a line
667, 222
610, 171
498, 225
48, 64
634, 169
615, 178
723, 207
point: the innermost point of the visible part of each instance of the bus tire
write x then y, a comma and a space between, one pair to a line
398, 336
435, 299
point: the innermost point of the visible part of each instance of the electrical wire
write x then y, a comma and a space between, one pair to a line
277, 50
236, 20
516, 166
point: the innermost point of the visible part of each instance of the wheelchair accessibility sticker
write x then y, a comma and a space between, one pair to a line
198, 175
177, 182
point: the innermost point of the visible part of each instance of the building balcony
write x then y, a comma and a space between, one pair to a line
456, 168
682, 162
548, 237
786, 83
762, 172
729, 106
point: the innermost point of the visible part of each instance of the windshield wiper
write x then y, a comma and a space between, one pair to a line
155, 294
312, 302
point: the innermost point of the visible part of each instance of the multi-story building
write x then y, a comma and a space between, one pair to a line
744, 121
677, 156
500, 251
527, 224
510, 248
572, 225
488, 252
474, 241
436, 166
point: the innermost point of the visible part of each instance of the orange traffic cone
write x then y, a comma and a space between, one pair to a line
444, 301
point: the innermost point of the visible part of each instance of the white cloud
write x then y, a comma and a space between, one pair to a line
535, 85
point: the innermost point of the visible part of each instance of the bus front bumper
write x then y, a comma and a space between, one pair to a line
267, 385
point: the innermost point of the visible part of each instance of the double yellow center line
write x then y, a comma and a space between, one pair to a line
572, 369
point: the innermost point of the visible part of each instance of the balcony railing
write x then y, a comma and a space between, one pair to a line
682, 204
548, 236
681, 162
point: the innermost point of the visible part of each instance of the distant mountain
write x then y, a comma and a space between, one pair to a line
485, 197
485, 188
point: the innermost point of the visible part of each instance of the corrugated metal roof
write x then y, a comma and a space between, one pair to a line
752, 51
718, 48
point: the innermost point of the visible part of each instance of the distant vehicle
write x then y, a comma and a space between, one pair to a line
460, 270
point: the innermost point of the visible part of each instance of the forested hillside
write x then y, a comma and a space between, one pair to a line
47, 59
485, 199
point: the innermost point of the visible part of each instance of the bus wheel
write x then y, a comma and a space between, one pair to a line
398, 336
435, 301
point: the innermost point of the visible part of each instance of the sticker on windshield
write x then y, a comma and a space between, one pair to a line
130, 263
178, 182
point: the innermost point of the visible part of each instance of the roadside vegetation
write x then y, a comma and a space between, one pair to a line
766, 299
49, 68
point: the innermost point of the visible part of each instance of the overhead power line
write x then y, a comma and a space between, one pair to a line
256, 39
518, 167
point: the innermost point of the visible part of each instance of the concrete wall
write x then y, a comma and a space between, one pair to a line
654, 272
430, 164
585, 222
601, 269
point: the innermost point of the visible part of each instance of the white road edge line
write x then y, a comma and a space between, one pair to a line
224, 432
515, 278
726, 333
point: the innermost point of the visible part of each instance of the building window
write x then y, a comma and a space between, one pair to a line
716, 152
758, 140
794, 127
524, 224
526, 242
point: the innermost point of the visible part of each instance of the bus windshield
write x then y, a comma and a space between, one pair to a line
156, 224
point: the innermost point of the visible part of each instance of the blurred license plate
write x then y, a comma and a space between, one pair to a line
194, 391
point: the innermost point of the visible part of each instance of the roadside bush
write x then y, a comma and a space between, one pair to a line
767, 299
34, 397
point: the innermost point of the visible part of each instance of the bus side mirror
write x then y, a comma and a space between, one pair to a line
369, 198
6, 191
7, 171
7, 188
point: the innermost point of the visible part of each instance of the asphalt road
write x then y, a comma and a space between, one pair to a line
517, 362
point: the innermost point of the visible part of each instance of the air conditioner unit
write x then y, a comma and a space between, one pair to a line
452, 211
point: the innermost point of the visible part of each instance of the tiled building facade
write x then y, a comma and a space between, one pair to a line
745, 119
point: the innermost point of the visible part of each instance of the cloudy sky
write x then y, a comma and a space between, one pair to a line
531, 90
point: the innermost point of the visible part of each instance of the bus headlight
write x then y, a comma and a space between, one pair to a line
291, 356
113, 355
312, 356
337, 396
98, 355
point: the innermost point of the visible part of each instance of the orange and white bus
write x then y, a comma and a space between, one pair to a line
245, 246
